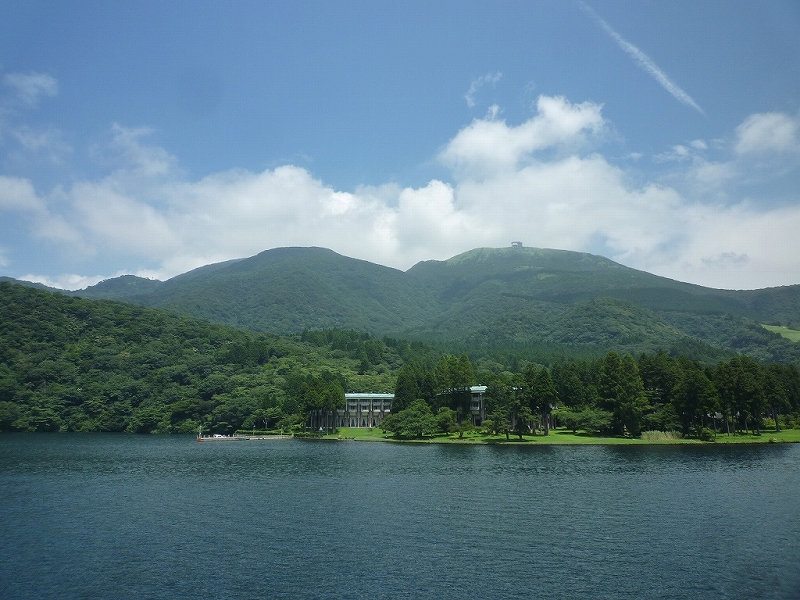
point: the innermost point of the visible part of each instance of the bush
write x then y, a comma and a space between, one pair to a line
656, 436
706, 435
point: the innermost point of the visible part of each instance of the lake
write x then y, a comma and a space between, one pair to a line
123, 516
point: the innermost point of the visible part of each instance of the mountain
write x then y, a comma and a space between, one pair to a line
487, 298
287, 290
126, 287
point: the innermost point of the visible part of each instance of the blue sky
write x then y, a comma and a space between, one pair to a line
155, 137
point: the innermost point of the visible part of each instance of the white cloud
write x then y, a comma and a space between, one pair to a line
67, 281
19, 195
48, 143
768, 132
677, 153
478, 83
127, 151
487, 146
531, 182
29, 88
738, 246
116, 217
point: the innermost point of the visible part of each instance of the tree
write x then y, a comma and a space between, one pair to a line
694, 396
499, 400
723, 379
332, 400
660, 375
520, 410
747, 392
543, 395
413, 422
406, 390
774, 393
569, 418
782, 388
446, 419
622, 393
454, 377
569, 387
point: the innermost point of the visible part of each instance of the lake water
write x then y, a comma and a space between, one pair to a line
117, 516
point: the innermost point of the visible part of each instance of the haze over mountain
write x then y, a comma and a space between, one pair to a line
487, 298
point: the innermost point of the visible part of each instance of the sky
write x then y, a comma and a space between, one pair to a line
154, 137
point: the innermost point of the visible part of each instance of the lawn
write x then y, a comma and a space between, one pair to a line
564, 437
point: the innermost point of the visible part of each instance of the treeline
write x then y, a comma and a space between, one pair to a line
612, 395
657, 392
68, 364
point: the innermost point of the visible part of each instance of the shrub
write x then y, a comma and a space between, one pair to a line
706, 435
657, 436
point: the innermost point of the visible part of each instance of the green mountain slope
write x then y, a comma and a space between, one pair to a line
288, 290
484, 298
126, 287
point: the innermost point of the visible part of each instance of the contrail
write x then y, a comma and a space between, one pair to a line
645, 63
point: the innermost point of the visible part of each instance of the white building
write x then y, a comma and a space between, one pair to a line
368, 410
364, 410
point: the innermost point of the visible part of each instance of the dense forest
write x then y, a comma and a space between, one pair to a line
70, 364
611, 395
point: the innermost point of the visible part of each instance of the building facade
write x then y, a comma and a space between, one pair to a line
368, 410
364, 410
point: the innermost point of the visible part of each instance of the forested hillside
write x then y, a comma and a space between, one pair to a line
488, 300
81, 365
70, 364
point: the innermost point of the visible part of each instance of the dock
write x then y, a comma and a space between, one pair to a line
240, 437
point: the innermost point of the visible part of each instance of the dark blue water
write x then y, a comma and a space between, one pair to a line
114, 516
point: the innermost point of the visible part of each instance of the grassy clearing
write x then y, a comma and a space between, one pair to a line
566, 437
789, 334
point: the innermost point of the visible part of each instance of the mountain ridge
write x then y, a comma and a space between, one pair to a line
485, 297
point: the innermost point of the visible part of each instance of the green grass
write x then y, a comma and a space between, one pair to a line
767, 436
565, 437
358, 433
789, 334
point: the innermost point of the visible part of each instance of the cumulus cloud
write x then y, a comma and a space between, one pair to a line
489, 146
18, 196
541, 181
768, 133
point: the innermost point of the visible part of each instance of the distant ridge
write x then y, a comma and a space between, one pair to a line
486, 297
